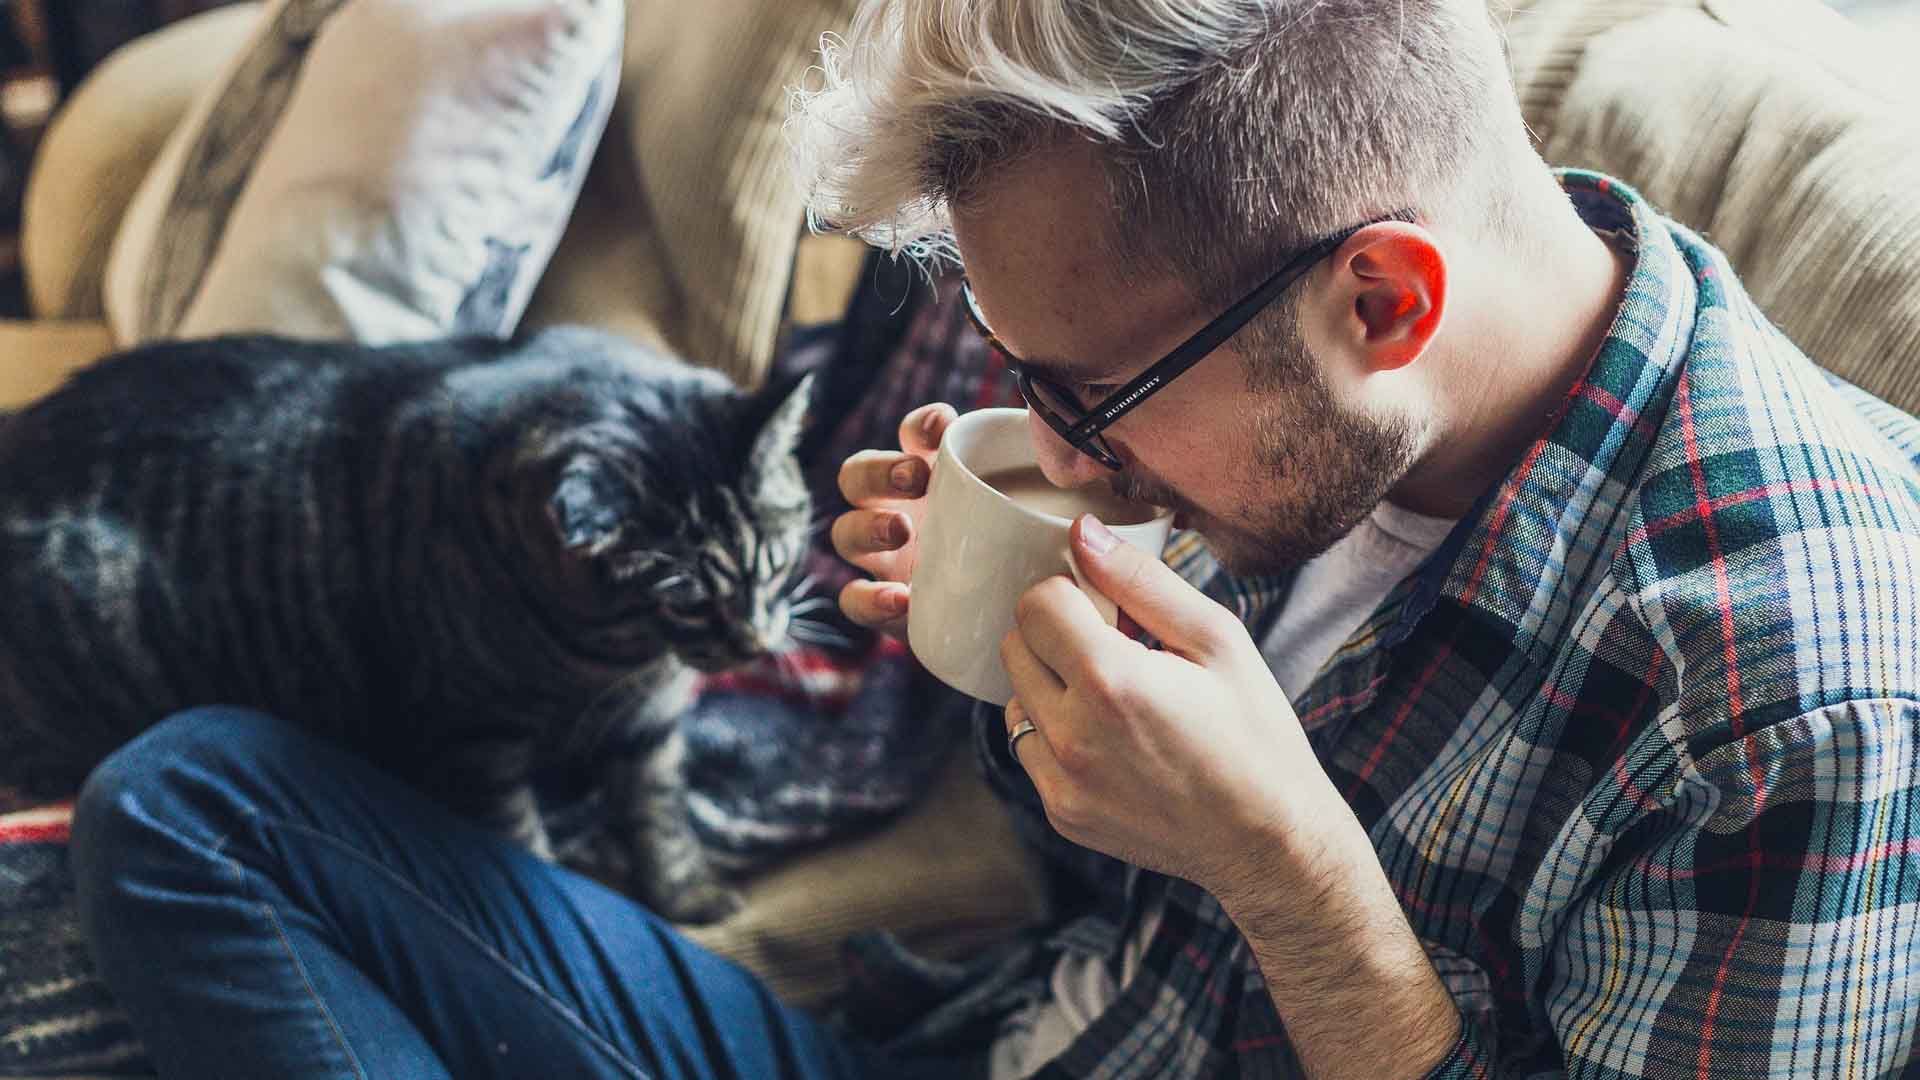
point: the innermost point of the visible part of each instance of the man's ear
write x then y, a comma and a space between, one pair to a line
1395, 277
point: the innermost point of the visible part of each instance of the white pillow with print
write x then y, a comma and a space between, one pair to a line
376, 170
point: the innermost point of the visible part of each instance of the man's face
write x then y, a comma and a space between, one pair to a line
1270, 470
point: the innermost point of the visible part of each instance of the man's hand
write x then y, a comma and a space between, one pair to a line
1191, 762
881, 534
1180, 761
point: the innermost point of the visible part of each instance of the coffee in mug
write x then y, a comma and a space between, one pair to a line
1028, 486
994, 527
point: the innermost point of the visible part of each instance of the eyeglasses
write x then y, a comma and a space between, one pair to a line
1081, 426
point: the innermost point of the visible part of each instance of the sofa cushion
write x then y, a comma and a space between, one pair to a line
1775, 128
37, 356
697, 235
100, 147
380, 170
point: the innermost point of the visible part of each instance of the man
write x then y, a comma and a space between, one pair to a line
1580, 736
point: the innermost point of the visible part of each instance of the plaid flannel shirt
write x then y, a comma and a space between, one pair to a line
1636, 747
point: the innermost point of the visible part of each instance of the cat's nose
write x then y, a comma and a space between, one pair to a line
753, 640
763, 634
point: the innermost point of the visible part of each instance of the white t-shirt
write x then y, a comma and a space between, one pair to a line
1331, 596
1334, 593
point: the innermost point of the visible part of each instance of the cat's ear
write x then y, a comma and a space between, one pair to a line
781, 410
592, 506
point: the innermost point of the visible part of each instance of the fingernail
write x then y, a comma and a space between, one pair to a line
894, 600
930, 424
1098, 538
888, 530
904, 478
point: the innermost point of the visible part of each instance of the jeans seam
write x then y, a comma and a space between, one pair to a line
520, 977
280, 931
306, 980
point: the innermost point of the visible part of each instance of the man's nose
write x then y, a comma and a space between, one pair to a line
1062, 465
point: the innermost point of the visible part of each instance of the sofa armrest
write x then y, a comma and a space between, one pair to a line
37, 356
99, 148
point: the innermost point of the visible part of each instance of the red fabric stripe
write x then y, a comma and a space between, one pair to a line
1724, 597
1322, 712
1619, 410
52, 833
1698, 510
809, 677
1723, 591
1399, 718
987, 394
50, 824
1499, 518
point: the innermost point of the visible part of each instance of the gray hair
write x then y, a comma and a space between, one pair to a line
1234, 131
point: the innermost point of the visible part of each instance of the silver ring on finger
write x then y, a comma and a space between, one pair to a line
1024, 727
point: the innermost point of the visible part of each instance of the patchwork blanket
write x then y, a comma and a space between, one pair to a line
784, 755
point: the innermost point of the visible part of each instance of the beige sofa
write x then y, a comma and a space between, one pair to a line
1775, 126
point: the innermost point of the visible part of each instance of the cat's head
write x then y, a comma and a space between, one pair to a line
684, 524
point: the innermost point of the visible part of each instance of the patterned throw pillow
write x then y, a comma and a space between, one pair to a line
380, 170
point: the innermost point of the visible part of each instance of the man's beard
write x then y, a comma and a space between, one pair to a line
1317, 471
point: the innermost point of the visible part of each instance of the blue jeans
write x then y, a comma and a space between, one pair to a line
264, 904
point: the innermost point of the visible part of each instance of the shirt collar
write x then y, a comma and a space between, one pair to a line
1526, 538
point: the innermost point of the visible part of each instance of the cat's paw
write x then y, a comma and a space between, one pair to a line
537, 843
601, 857
699, 903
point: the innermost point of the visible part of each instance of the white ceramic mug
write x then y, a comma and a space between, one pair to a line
980, 550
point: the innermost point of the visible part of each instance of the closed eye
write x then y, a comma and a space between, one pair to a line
681, 592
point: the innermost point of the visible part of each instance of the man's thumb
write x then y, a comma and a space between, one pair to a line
1161, 601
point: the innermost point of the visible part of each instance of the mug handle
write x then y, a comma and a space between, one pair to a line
1109, 611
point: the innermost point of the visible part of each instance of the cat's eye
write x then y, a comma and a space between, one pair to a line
681, 591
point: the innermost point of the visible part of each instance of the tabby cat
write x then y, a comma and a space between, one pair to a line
461, 559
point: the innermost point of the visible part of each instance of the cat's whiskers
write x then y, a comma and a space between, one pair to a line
802, 589
817, 633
